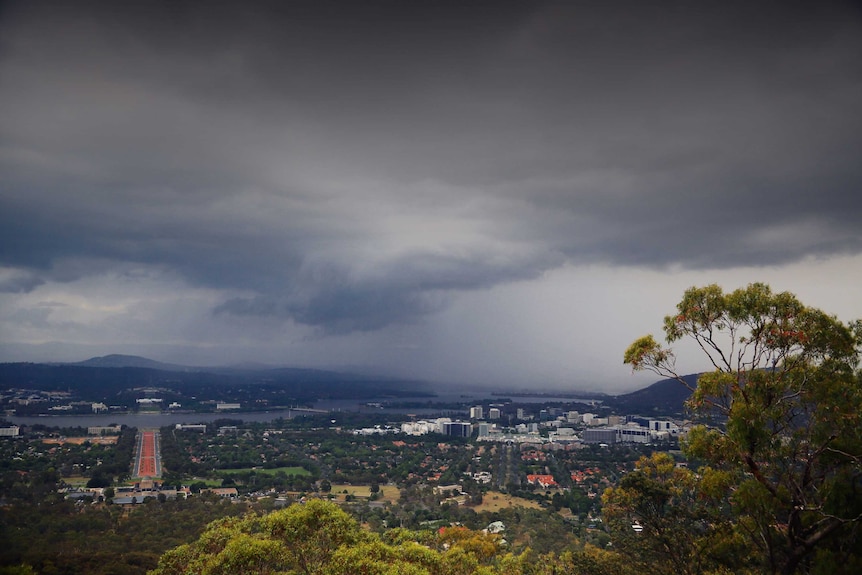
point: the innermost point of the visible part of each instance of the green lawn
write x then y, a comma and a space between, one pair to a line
387, 492
207, 482
76, 480
261, 470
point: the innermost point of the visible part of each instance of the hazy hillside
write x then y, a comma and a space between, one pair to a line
119, 360
666, 397
110, 378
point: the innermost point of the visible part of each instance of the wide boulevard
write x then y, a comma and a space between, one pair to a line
149, 462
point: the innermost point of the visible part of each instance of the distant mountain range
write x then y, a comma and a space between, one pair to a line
113, 376
119, 360
118, 379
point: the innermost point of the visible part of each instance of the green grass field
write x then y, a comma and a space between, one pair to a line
494, 501
207, 482
76, 480
272, 471
387, 492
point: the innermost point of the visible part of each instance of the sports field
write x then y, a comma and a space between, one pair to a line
266, 471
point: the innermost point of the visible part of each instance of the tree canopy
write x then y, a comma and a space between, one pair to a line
319, 538
781, 423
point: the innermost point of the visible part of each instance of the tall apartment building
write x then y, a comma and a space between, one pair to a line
457, 429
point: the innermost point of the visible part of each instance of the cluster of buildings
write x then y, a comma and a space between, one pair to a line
564, 428
25, 397
442, 425
49, 401
141, 491
554, 426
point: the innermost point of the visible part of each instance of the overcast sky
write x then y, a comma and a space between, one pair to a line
478, 192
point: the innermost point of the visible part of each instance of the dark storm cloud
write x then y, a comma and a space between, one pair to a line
405, 290
348, 165
19, 282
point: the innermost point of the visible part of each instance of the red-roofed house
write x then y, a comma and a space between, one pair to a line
542, 480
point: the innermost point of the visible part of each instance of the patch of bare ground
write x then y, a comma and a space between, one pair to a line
495, 500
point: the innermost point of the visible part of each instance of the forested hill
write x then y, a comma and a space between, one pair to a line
119, 360
666, 397
96, 382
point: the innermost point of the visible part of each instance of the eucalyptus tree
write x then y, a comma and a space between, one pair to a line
782, 420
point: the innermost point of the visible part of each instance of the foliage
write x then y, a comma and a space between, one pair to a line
58, 536
784, 404
318, 538
669, 519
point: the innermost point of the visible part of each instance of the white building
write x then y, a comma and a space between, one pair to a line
224, 406
496, 527
104, 430
633, 433
9, 431
482, 477
629, 433
477, 412
424, 427
200, 427
663, 425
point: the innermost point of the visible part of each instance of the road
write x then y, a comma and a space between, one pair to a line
149, 461
507, 468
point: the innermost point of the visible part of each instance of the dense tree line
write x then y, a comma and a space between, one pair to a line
319, 538
102, 464
116, 464
329, 453
76, 538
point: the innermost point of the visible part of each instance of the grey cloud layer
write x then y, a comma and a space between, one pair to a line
349, 165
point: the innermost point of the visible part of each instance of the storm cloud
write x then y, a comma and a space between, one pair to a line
355, 167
